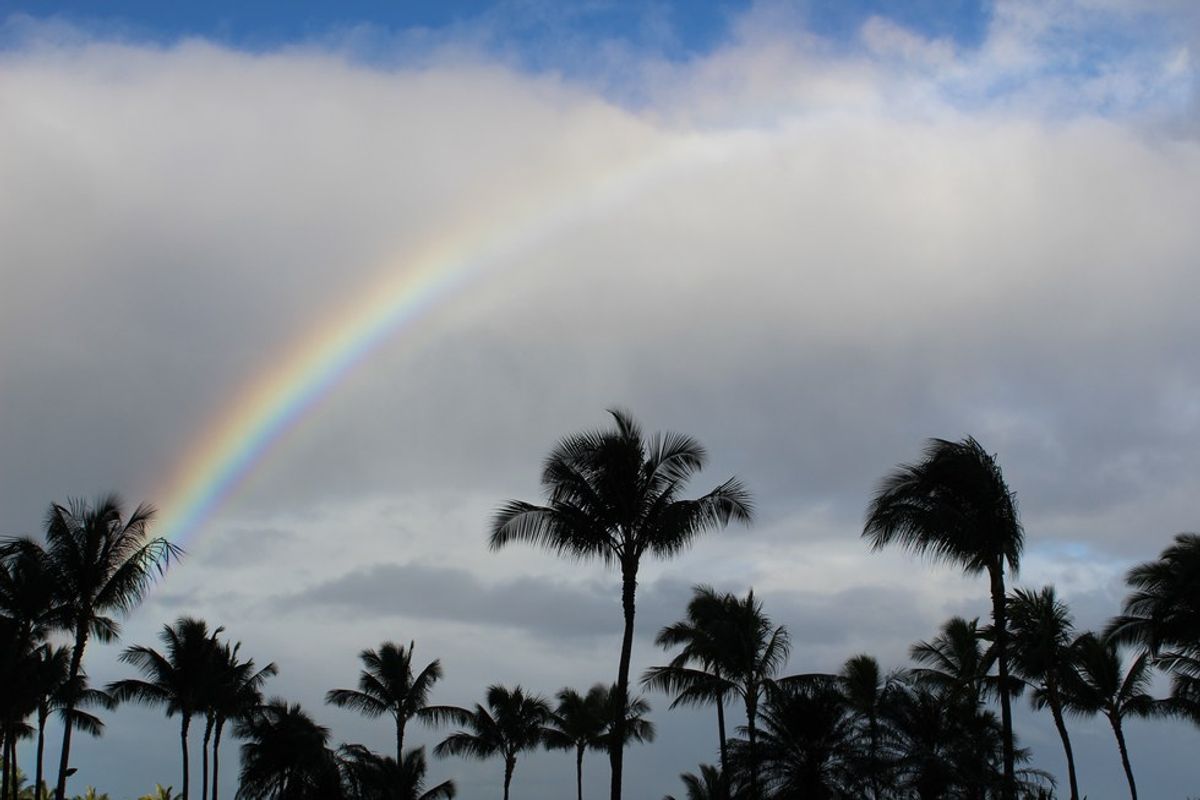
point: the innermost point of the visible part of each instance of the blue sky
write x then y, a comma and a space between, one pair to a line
676, 28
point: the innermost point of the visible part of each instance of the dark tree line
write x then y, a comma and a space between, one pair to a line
929, 730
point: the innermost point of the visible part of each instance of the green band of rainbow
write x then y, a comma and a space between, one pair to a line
266, 410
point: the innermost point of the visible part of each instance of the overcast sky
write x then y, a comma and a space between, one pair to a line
810, 235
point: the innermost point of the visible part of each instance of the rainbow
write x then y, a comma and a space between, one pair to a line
266, 410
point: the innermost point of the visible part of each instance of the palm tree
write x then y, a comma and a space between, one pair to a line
957, 663
806, 743
1042, 631
102, 562
867, 693
1163, 612
286, 756
236, 694
695, 675
708, 785
1100, 687
955, 506
626, 720
52, 693
387, 686
370, 776
178, 679
513, 723
578, 723
613, 495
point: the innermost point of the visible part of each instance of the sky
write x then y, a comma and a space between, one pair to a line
325, 286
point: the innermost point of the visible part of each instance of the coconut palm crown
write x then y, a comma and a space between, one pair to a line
955, 506
617, 496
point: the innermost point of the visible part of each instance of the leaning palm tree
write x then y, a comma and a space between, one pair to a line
1100, 687
103, 562
696, 674
613, 495
386, 685
236, 694
578, 724
178, 678
512, 723
1042, 656
285, 756
955, 506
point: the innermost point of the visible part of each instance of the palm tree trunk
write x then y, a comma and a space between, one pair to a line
183, 737
4, 759
616, 747
1116, 726
216, 757
81, 637
208, 726
1056, 710
723, 745
579, 772
510, 764
1000, 625
752, 735
43, 713
399, 740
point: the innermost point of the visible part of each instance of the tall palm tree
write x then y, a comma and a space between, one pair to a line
512, 723
236, 694
178, 678
578, 724
696, 674
285, 756
955, 506
102, 561
1100, 687
369, 776
614, 495
386, 685
1163, 611
1042, 632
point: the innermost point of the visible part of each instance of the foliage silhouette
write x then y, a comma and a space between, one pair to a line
614, 495
513, 723
178, 678
955, 506
386, 685
102, 562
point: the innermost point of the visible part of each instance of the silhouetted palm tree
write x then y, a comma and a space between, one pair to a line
1042, 633
236, 693
613, 495
178, 678
957, 662
1100, 687
579, 723
955, 506
696, 675
103, 563
387, 686
369, 776
708, 785
52, 695
285, 756
806, 744
867, 693
513, 723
